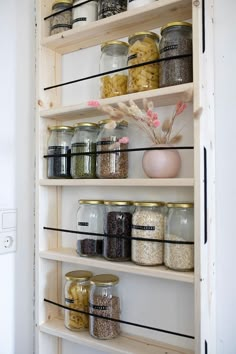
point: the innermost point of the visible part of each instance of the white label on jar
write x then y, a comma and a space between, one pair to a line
141, 227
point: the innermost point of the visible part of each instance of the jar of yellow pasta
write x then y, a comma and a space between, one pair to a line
76, 297
143, 47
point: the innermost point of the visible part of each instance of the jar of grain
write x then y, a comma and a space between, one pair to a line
76, 297
84, 13
62, 21
176, 40
104, 301
143, 47
107, 8
148, 223
179, 255
132, 4
113, 136
113, 56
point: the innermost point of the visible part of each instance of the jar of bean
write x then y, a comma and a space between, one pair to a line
107, 8
104, 301
77, 297
179, 251
176, 40
63, 20
114, 55
85, 13
148, 223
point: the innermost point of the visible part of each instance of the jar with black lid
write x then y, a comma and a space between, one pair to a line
107, 8
62, 21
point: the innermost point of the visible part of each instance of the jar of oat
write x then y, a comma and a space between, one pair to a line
143, 47
148, 223
84, 13
107, 8
113, 136
62, 21
104, 301
176, 40
114, 55
76, 297
179, 255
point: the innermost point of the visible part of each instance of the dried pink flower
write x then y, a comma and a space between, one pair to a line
124, 140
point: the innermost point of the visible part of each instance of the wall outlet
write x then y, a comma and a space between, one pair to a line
7, 242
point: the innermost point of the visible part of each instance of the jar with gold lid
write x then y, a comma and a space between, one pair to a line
63, 20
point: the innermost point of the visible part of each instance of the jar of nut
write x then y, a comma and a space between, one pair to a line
143, 47
63, 20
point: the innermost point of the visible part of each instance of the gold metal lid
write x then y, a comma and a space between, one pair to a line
105, 44
149, 204
118, 202
62, 127
93, 202
106, 121
86, 124
79, 275
104, 279
147, 33
70, 2
172, 24
180, 205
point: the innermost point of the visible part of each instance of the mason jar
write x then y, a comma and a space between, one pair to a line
77, 297
113, 136
59, 142
90, 216
179, 229
84, 13
114, 55
107, 8
104, 301
62, 21
176, 40
132, 4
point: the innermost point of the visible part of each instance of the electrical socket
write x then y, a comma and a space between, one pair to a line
7, 242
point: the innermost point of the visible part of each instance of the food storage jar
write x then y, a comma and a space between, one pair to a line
114, 55
84, 13
176, 40
107, 8
62, 21
104, 301
179, 229
77, 297
132, 4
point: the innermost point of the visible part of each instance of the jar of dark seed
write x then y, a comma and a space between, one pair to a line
90, 217
118, 224
62, 21
176, 40
84, 141
104, 301
107, 8
113, 136
59, 143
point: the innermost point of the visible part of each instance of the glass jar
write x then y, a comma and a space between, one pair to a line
90, 220
148, 222
84, 141
179, 227
114, 56
117, 222
62, 21
176, 40
107, 8
84, 13
59, 142
132, 4
143, 47
104, 301
77, 297
113, 136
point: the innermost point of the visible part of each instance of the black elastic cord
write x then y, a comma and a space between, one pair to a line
67, 9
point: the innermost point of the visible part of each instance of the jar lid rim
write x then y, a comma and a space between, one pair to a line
172, 24
70, 2
85, 124
118, 202
149, 204
151, 34
104, 279
106, 44
88, 201
180, 205
60, 127
78, 274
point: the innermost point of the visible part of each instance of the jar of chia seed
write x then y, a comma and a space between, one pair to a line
107, 8
62, 21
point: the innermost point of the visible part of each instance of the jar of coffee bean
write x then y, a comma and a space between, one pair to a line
107, 8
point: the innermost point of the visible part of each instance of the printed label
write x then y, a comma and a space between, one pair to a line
81, 223
69, 301
57, 150
107, 142
97, 307
79, 145
145, 228
80, 19
169, 47
133, 56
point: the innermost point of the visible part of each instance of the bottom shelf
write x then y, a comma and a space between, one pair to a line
124, 344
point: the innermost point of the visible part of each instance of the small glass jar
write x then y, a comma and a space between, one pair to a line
148, 222
84, 13
62, 21
176, 40
59, 142
117, 222
84, 141
104, 301
143, 47
77, 297
107, 8
114, 56
113, 136
179, 228
90, 220
132, 4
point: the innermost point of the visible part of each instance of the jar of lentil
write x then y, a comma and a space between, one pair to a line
84, 141
113, 136
59, 142
179, 229
77, 297
107, 8
148, 223
176, 40
114, 55
143, 47
90, 220
104, 301
118, 223
84, 13
62, 21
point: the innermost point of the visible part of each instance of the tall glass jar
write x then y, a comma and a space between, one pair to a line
59, 142
84, 141
114, 56
90, 220
62, 21
148, 222
77, 297
179, 228
104, 301
112, 137
176, 40
107, 8
143, 47
84, 13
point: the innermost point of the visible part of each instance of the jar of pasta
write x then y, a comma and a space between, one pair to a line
113, 56
63, 20
143, 47
76, 297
